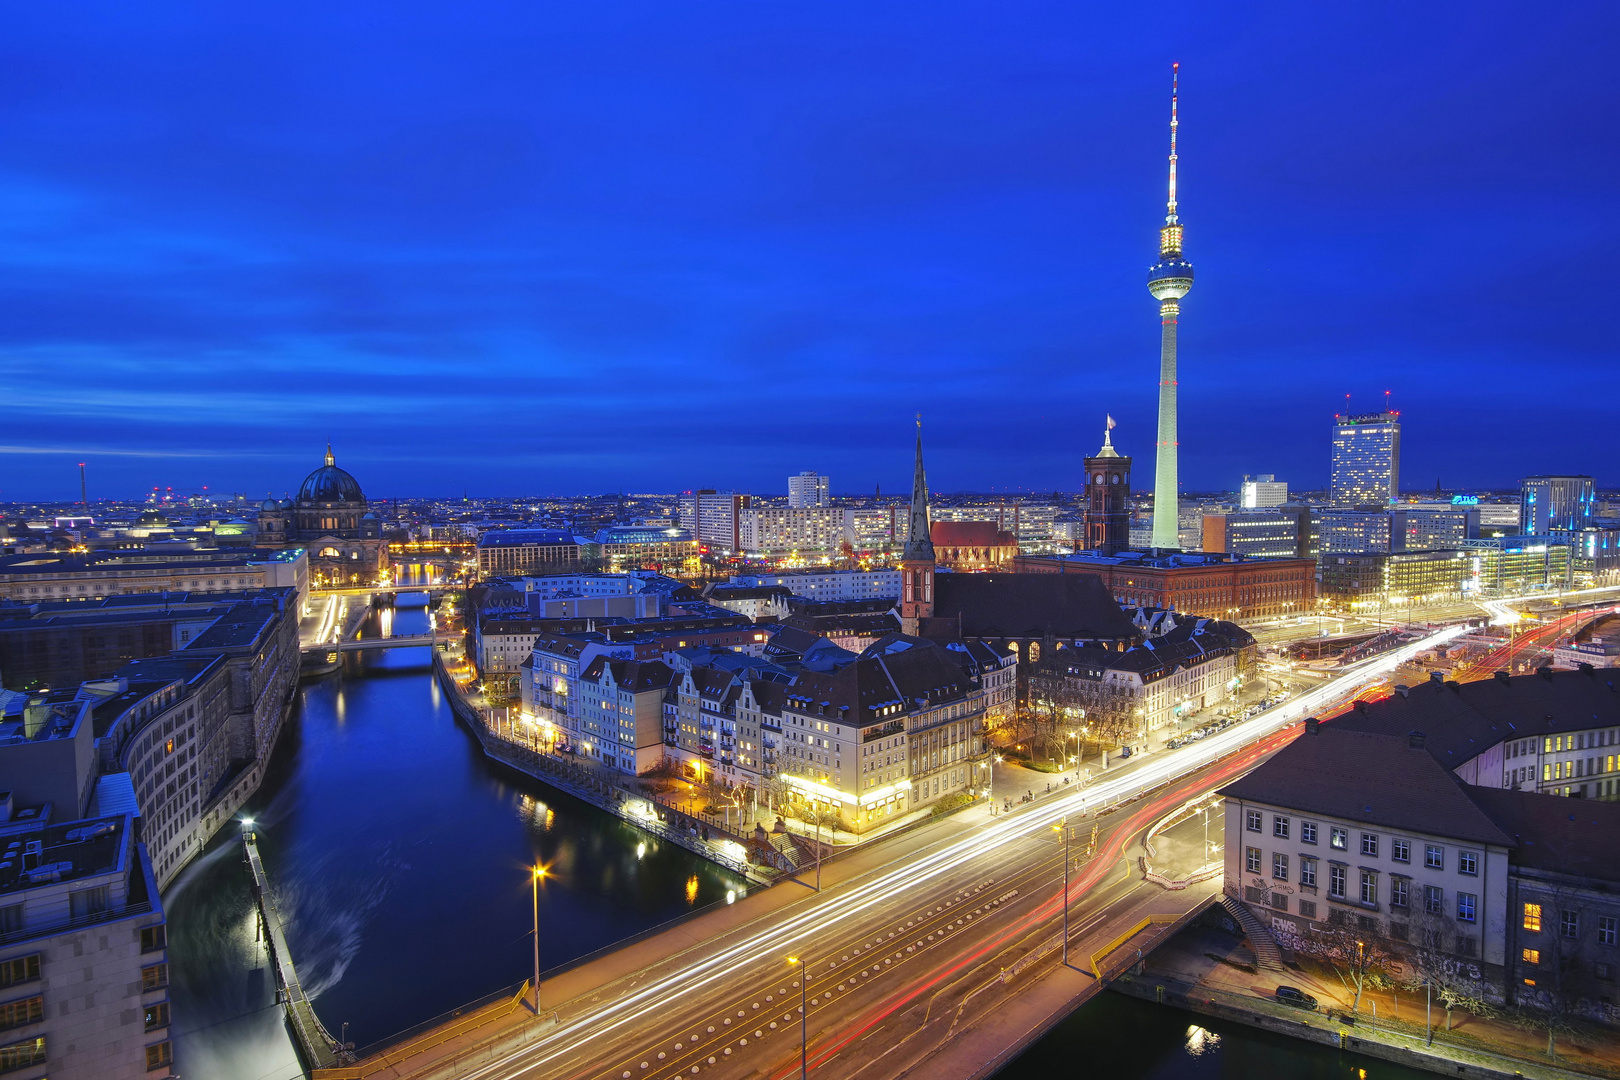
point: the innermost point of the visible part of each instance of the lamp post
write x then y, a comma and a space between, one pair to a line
1062, 827
804, 1015
534, 882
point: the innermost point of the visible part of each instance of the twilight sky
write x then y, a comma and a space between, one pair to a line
533, 247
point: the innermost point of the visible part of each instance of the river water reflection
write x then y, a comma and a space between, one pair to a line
399, 856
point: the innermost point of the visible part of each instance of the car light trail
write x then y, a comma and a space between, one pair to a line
780, 935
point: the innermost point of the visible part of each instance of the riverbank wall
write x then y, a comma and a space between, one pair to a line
586, 785
1182, 977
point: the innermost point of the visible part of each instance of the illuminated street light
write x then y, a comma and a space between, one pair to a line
540, 871
804, 1015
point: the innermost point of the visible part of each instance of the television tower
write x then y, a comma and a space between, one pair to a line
1169, 280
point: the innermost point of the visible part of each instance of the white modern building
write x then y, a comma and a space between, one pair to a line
830, 584
1263, 490
809, 489
812, 531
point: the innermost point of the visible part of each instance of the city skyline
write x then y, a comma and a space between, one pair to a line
421, 273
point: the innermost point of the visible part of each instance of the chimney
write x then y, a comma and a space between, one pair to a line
1437, 677
1501, 676
1311, 724
1416, 739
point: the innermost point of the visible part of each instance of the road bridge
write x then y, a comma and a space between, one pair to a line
940, 951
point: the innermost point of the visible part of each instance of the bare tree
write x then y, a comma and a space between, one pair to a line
1360, 959
1454, 981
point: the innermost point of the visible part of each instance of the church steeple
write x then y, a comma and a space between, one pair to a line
919, 543
330, 460
917, 558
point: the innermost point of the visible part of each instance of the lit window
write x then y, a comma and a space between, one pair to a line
1532, 918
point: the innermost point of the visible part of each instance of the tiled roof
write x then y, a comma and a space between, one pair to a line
1380, 780
1030, 606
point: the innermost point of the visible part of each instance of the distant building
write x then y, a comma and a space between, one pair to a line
1555, 504
713, 518
1279, 532
528, 551
1211, 584
1107, 501
98, 575
809, 489
1034, 526
1366, 468
755, 601
636, 547
1373, 581
331, 519
1517, 564
972, 545
830, 584
1261, 491
874, 530
813, 531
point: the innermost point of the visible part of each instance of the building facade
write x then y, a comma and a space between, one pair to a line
528, 551
621, 713
1555, 504
1366, 466
37, 576
1210, 584
780, 531
1262, 491
809, 489
1107, 502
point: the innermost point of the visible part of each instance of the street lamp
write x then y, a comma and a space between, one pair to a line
1062, 828
804, 1014
540, 871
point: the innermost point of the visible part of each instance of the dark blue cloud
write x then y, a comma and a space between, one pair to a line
512, 247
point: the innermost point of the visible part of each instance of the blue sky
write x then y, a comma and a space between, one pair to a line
533, 247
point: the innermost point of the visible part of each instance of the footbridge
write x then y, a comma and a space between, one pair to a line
374, 644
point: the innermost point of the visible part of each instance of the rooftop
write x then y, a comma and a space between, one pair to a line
65, 852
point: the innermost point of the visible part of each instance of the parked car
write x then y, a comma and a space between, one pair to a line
1289, 995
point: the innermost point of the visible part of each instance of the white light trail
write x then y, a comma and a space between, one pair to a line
782, 935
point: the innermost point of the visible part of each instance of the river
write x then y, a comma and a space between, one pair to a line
399, 855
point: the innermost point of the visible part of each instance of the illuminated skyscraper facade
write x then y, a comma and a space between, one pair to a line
1549, 504
1366, 467
1168, 280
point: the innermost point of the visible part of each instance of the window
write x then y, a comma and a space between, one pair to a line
1468, 863
83, 903
1307, 872
1532, 918
154, 937
1307, 909
19, 969
1307, 832
1339, 838
160, 1055
1531, 956
15, 1014
1369, 845
1434, 856
1253, 820
1608, 929
157, 1016
1336, 881
1279, 827
155, 977
1399, 888
1279, 866
1251, 860
1369, 887
20, 1055
1434, 900
1466, 946
1604, 972
1569, 924
1400, 850
11, 919
1465, 906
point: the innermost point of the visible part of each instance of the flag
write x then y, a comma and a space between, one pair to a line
1110, 423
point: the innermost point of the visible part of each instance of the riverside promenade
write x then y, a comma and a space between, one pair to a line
316, 1047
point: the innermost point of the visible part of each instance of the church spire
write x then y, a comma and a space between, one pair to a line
919, 541
330, 460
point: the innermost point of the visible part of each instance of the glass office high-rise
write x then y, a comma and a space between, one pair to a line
1366, 459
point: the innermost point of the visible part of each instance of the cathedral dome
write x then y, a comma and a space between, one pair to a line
330, 484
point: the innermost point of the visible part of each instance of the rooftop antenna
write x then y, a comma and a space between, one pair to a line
1175, 83
84, 491
1386, 401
